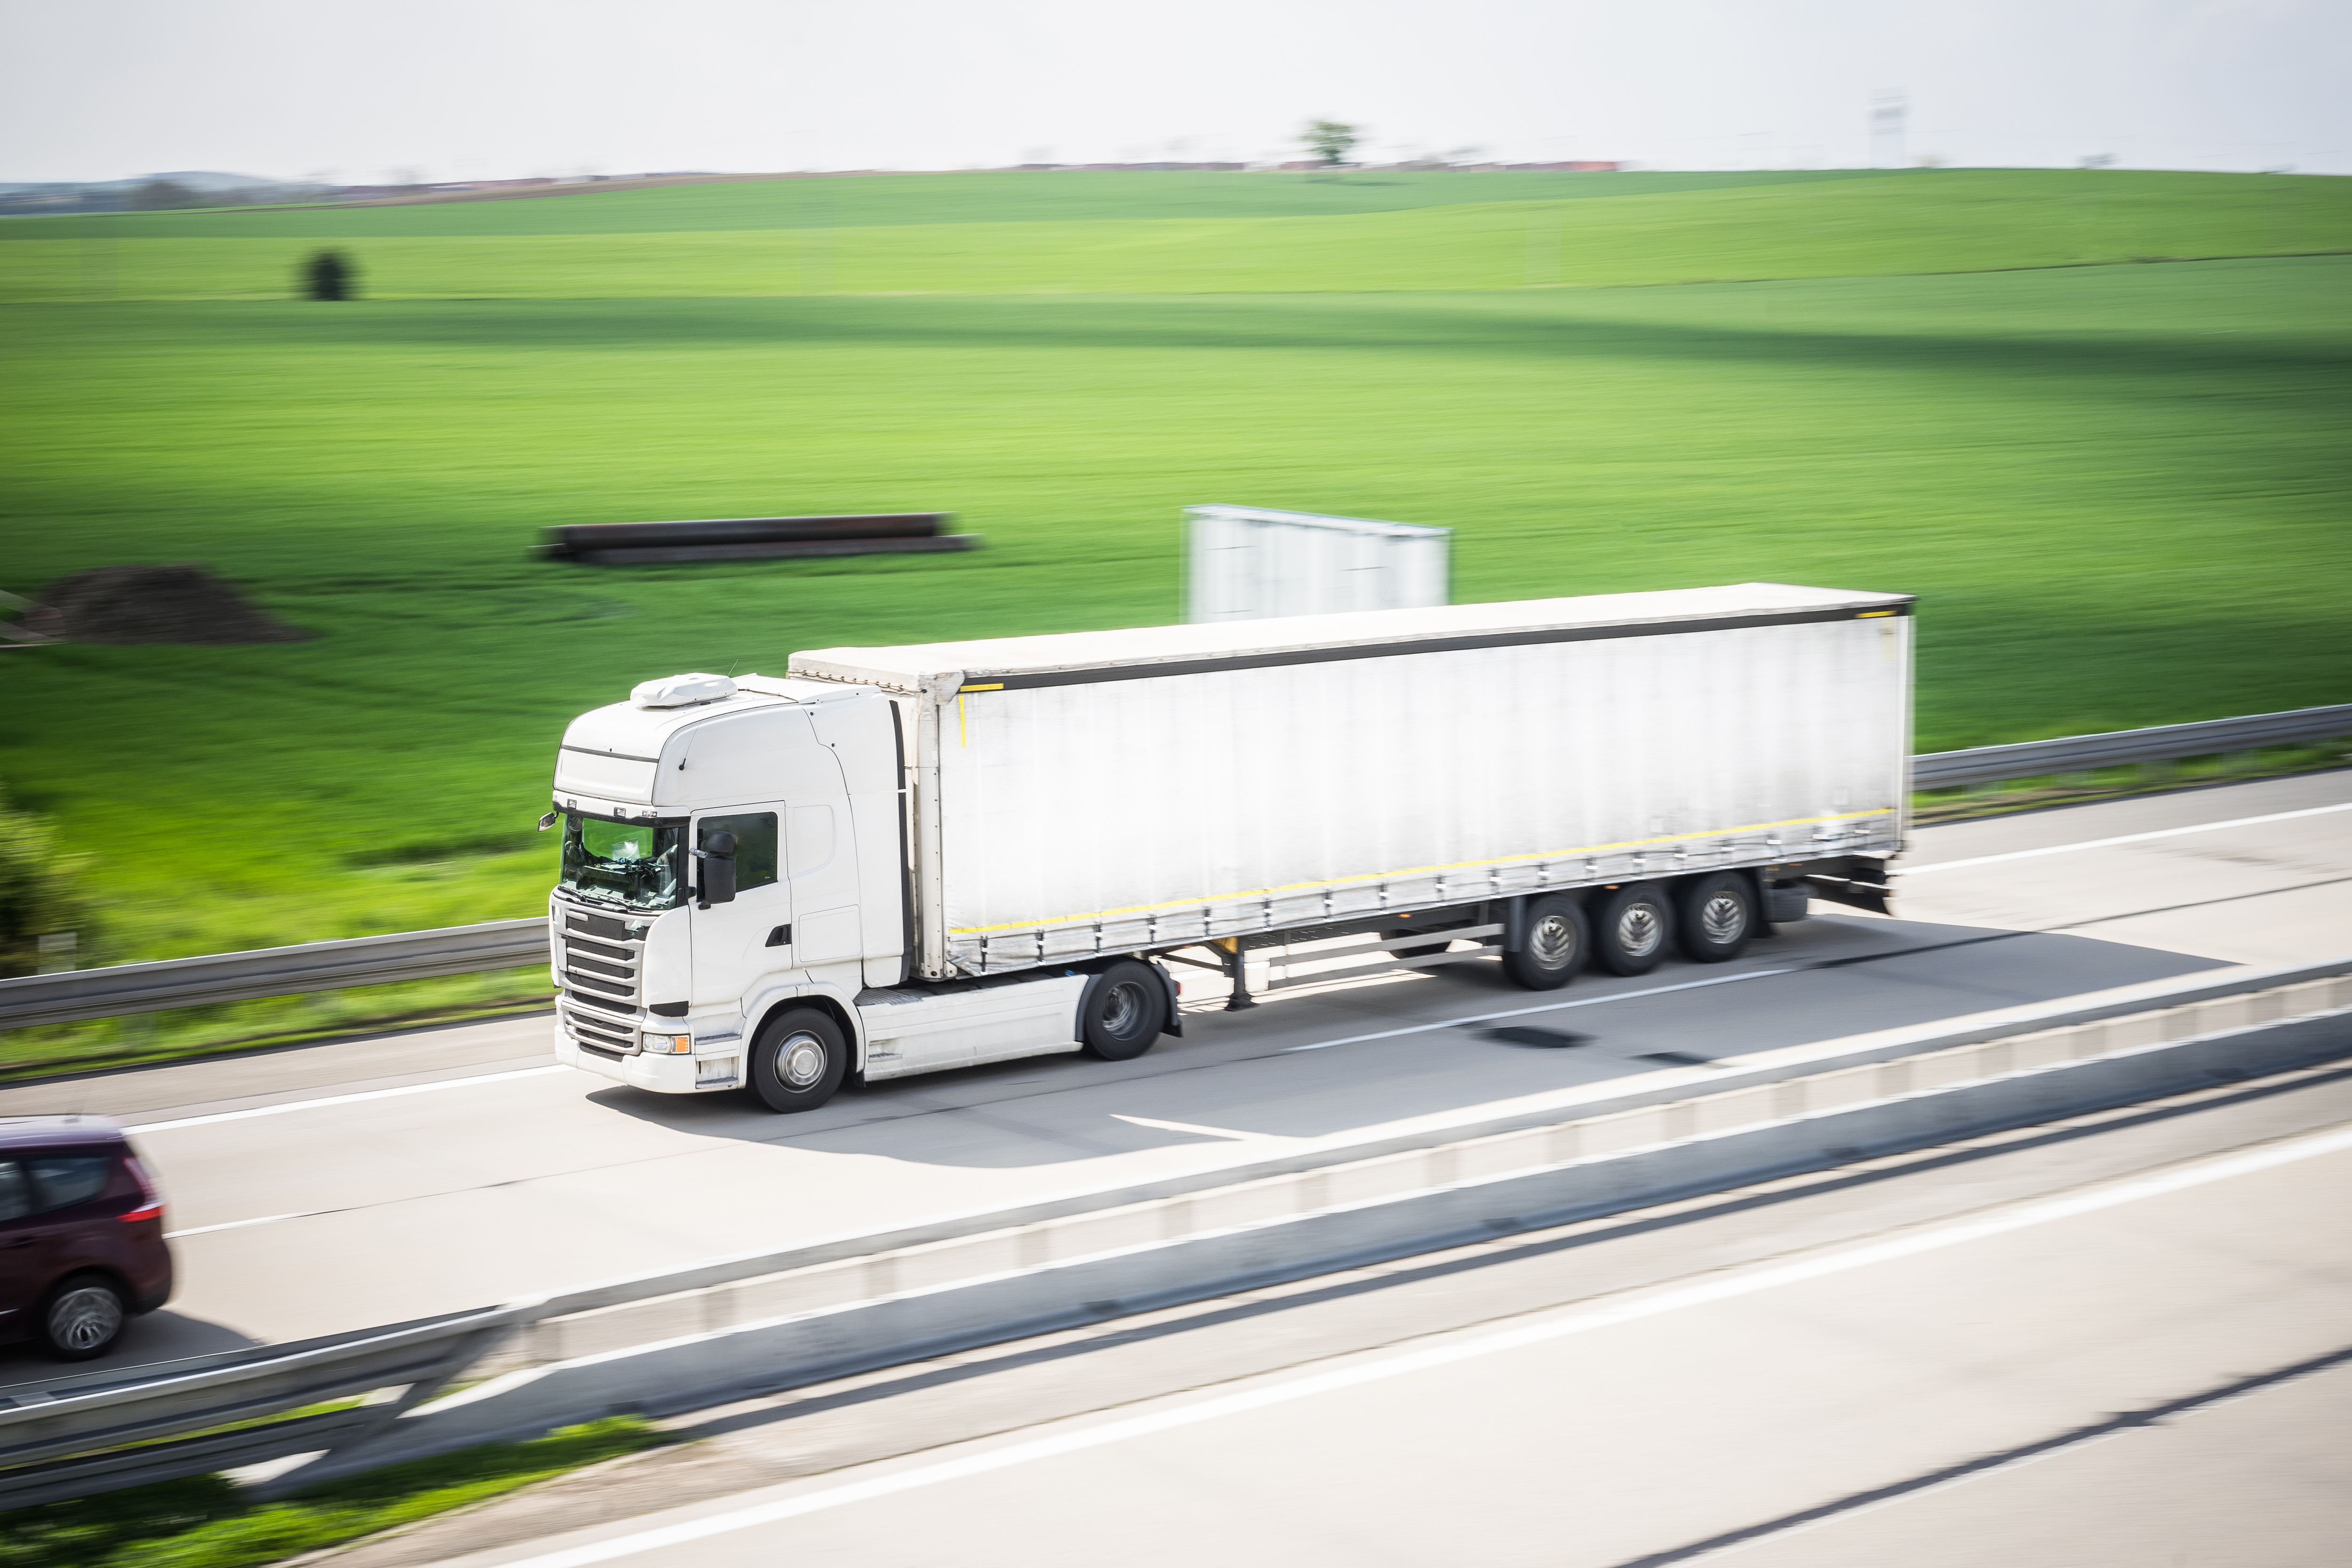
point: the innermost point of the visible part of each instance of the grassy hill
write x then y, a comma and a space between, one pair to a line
2120, 489
1027, 233
993, 196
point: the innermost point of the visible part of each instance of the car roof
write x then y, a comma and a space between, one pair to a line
58, 1132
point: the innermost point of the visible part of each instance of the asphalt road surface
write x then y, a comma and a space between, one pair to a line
372, 1181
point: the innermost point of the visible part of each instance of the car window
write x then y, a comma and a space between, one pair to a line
60, 1180
16, 1194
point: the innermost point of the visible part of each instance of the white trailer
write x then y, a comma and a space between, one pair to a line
895, 861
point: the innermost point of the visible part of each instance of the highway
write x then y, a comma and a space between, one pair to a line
376, 1180
2122, 1343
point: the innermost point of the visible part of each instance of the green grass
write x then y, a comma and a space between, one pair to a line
999, 196
906, 241
2121, 491
205, 1523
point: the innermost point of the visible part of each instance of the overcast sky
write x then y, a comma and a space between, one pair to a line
451, 90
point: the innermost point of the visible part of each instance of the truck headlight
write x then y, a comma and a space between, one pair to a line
670, 1044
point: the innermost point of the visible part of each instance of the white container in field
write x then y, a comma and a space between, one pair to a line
1246, 563
893, 860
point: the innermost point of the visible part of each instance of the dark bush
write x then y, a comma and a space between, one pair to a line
329, 275
179, 604
38, 893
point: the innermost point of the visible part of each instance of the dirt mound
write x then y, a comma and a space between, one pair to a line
181, 604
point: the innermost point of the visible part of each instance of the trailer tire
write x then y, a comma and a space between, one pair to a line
1123, 1011
1717, 916
1557, 943
1635, 930
798, 1060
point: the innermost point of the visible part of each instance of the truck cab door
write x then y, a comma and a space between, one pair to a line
736, 943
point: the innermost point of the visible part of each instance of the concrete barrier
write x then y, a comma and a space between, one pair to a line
829, 1316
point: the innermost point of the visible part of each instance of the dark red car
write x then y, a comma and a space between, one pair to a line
81, 1234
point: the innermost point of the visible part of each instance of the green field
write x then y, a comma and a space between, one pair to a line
999, 234
2120, 489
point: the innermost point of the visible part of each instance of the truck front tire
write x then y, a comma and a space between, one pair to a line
1558, 939
798, 1060
1122, 1012
1635, 928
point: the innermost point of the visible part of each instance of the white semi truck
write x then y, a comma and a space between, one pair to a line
896, 860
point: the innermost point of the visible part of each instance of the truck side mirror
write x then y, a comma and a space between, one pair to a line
549, 820
718, 858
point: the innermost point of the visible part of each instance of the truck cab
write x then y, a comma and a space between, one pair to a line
727, 845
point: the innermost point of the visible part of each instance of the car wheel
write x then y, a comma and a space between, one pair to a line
1122, 1012
1718, 916
82, 1318
1635, 928
798, 1060
1558, 939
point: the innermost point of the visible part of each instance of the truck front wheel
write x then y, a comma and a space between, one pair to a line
1122, 1012
798, 1060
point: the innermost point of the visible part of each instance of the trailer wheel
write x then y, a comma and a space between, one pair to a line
1635, 928
1122, 1012
1718, 916
1558, 941
798, 1060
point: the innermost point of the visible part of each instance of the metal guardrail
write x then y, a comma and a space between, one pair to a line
103, 1431
2164, 744
68, 997
76, 994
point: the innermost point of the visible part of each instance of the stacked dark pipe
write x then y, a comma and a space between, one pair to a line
752, 539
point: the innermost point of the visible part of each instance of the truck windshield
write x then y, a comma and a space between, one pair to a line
632, 864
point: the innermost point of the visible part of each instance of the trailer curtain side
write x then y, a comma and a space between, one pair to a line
1346, 765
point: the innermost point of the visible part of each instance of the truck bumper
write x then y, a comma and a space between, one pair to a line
663, 1075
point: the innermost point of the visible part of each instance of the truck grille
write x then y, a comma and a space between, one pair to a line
599, 959
593, 1032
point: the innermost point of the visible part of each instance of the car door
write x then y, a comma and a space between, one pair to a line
23, 1275
54, 1235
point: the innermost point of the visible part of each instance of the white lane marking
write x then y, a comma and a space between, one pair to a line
1546, 1007
1195, 1128
237, 1224
1576, 1320
1910, 871
293, 1105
